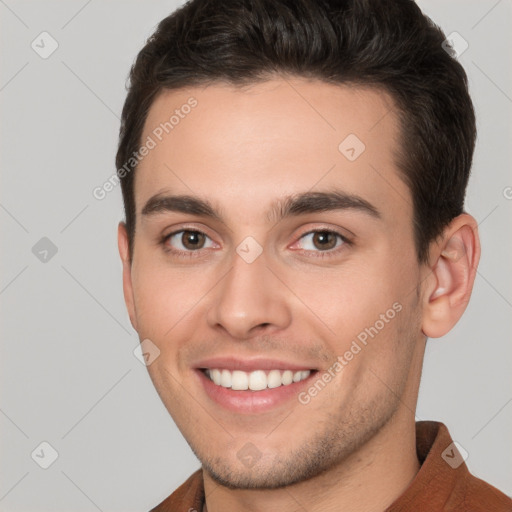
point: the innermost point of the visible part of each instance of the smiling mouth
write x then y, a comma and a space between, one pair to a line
256, 380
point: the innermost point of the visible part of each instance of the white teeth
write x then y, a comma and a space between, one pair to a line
225, 379
274, 379
256, 380
239, 381
215, 375
287, 377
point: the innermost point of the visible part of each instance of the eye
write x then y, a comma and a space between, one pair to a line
323, 241
187, 240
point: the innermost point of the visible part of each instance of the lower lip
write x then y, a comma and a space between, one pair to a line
252, 402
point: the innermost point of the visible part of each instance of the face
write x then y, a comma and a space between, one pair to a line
283, 292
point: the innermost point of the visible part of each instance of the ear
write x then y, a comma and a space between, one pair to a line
453, 264
122, 243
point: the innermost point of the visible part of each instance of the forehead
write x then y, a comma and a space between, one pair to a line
244, 147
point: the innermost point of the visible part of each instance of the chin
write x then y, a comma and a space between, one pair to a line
271, 475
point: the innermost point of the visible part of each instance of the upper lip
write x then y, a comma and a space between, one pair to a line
249, 365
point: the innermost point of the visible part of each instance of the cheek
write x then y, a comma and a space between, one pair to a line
165, 298
359, 311
347, 300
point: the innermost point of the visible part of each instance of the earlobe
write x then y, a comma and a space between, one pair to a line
455, 260
124, 253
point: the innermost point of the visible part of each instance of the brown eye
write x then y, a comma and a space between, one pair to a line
192, 239
322, 241
187, 240
325, 240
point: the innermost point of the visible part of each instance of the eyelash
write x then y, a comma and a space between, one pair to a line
179, 253
198, 253
329, 253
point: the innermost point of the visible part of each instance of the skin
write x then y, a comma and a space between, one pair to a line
352, 447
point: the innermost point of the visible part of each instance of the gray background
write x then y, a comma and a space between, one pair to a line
68, 372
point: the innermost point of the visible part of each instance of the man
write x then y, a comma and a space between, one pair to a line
293, 175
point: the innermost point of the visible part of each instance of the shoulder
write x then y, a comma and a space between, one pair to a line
444, 482
476, 495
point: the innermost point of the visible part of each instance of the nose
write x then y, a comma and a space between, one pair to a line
249, 300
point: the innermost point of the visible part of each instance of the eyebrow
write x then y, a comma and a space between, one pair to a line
290, 206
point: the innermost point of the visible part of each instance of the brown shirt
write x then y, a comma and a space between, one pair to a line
443, 483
